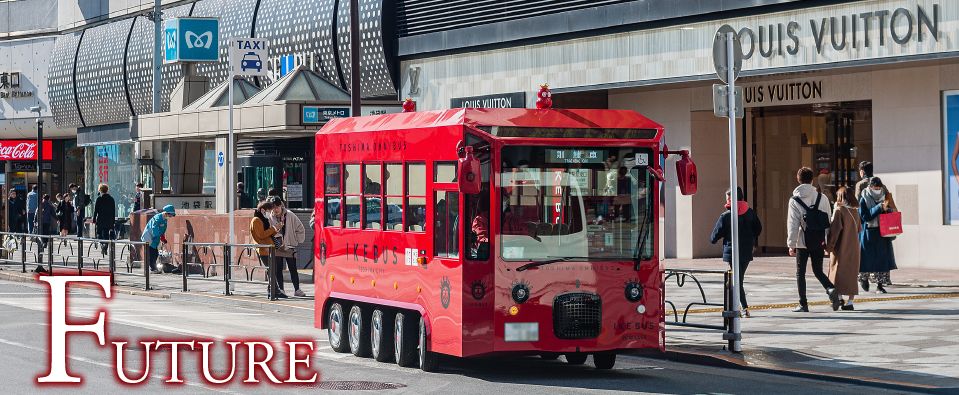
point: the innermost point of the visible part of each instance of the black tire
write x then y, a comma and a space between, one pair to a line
549, 356
428, 359
604, 360
381, 336
404, 339
358, 326
336, 328
576, 358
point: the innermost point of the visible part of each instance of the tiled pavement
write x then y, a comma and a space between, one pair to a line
909, 336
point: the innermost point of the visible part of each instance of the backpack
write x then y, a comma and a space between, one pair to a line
814, 221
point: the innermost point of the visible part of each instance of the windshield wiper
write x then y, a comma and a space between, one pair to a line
550, 261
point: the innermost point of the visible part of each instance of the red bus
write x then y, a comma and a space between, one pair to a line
472, 232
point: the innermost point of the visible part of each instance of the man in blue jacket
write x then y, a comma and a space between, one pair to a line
749, 229
155, 233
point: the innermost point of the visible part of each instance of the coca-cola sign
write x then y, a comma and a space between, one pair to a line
24, 150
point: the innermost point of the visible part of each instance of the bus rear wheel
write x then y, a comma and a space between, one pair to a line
428, 359
336, 328
359, 329
404, 339
576, 358
604, 360
381, 336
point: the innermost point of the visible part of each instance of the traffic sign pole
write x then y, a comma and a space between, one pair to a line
230, 153
735, 341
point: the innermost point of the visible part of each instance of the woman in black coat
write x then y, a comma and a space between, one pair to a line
877, 258
65, 213
749, 229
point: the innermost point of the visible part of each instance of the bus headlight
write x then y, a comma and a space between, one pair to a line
634, 291
520, 292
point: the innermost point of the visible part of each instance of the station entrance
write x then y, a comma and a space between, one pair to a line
830, 138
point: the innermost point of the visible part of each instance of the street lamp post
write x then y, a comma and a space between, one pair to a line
39, 216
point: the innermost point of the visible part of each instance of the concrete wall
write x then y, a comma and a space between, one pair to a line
71, 14
907, 145
19, 17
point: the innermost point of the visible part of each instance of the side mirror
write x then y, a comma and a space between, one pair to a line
468, 172
686, 173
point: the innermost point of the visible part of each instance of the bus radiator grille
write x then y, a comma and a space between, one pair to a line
577, 316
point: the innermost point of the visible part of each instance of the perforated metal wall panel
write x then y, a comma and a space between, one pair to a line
375, 80
100, 90
62, 99
140, 65
236, 20
303, 29
427, 16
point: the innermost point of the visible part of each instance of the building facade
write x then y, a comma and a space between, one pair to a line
827, 84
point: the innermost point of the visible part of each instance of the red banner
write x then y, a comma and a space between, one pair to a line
24, 150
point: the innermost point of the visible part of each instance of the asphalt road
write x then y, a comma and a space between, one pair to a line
24, 345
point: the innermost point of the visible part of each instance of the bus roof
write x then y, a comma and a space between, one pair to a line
478, 117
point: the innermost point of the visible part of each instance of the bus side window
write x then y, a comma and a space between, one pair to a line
415, 197
372, 196
332, 192
446, 216
351, 185
393, 181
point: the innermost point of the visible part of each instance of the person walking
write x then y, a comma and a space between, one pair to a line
33, 201
15, 213
138, 197
80, 202
65, 214
749, 229
155, 233
806, 224
843, 245
877, 258
291, 235
45, 219
262, 232
104, 215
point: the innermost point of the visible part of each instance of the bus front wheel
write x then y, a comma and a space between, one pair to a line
604, 360
359, 329
336, 328
404, 339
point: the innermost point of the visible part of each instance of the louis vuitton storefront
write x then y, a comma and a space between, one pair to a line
826, 85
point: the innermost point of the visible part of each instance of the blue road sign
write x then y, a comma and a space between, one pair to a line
220, 159
191, 40
312, 114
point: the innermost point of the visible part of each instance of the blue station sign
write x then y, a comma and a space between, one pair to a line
191, 40
313, 114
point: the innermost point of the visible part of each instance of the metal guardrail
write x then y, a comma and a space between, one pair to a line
80, 253
686, 276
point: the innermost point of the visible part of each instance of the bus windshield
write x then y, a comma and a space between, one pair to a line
575, 203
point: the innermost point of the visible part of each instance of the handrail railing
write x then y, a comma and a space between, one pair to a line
682, 277
80, 253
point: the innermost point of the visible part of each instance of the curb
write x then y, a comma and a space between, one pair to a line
731, 362
261, 304
30, 277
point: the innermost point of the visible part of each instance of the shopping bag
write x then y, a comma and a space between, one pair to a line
890, 224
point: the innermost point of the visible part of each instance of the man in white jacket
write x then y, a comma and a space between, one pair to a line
293, 233
804, 245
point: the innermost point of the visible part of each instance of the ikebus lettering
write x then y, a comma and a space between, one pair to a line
259, 354
386, 254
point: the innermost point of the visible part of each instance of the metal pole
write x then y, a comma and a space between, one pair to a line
23, 252
157, 54
226, 268
39, 216
230, 153
113, 262
79, 257
735, 341
355, 94
184, 267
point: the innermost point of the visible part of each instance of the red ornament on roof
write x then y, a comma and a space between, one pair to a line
544, 98
409, 105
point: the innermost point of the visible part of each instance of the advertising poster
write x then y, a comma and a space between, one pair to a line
950, 129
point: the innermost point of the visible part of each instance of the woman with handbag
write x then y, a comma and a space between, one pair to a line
843, 245
262, 233
877, 257
292, 233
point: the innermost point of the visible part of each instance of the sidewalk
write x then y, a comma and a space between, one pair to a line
908, 338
